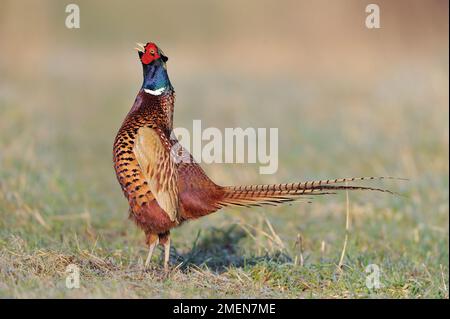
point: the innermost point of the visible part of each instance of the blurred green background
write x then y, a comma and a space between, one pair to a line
347, 101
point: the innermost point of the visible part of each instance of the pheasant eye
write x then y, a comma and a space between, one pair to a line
152, 52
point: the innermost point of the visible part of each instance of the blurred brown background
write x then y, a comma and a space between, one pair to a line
299, 36
317, 57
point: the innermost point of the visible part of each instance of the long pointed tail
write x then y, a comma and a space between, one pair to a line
257, 195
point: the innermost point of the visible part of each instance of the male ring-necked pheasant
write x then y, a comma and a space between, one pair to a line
163, 192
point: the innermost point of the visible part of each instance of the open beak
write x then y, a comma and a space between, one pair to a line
140, 47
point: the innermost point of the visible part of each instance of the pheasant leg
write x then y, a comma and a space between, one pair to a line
166, 254
154, 241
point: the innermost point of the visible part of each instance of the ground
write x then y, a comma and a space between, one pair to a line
60, 204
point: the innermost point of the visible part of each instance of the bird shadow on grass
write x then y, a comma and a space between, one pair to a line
219, 249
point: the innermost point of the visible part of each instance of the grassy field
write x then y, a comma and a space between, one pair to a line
60, 203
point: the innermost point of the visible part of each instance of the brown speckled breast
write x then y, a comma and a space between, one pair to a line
154, 112
199, 196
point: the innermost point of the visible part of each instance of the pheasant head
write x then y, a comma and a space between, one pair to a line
156, 80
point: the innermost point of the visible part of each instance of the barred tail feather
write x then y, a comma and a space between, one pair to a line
275, 194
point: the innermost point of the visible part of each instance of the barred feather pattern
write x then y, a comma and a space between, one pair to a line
275, 194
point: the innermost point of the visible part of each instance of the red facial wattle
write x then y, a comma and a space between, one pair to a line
151, 53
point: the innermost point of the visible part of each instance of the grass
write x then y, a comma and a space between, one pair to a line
60, 205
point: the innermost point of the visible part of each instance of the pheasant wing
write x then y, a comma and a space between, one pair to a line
152, 151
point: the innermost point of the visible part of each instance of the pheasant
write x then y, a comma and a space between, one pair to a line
164, 192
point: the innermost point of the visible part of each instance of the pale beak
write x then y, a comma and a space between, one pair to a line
140, 47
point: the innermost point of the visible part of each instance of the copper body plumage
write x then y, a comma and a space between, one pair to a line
164, 192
